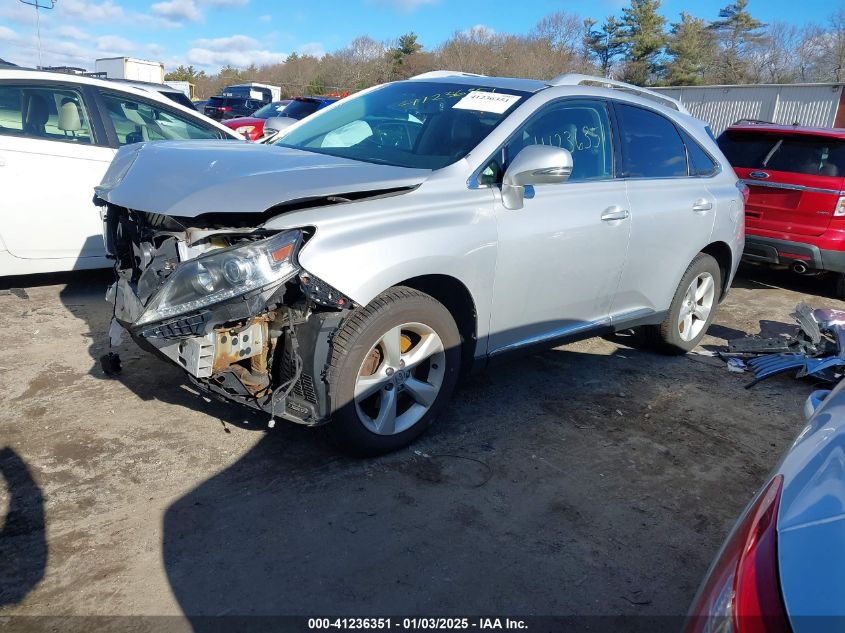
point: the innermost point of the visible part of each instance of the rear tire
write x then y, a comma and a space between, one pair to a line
394, 366
692, 309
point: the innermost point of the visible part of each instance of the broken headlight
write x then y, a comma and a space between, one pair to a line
223, 275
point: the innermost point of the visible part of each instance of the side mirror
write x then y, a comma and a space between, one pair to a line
534, 165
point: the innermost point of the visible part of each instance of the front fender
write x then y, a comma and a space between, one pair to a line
365, 248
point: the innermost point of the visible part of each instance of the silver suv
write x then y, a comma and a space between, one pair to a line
352, 271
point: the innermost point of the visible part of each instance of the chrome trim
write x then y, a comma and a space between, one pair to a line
632, 315
548, 336
783, 185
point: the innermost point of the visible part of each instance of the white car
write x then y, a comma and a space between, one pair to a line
58, 135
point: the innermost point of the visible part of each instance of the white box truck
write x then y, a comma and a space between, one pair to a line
182, 86
130, 68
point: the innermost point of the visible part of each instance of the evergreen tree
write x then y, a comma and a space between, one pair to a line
605, 44
184, 73
644, 36
693, 51
738, 32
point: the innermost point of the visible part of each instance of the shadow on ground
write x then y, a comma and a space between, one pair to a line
23, 542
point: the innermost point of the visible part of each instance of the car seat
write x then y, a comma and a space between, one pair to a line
37, 115
69, 117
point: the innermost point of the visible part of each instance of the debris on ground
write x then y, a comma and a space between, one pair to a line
737, 365
817, 349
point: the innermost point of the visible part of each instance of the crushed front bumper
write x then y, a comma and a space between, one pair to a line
266, 349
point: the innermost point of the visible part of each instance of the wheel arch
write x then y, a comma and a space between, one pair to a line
721, 252
458, 300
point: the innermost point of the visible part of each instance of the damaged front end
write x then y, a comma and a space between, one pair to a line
228, 304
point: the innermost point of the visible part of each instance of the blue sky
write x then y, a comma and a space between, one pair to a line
211, 33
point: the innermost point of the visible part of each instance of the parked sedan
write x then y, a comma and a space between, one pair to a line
58, 134
783, 566
252, 127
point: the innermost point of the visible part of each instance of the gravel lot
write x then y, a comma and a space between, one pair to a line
594, 478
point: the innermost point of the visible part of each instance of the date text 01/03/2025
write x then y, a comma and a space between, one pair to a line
387, 624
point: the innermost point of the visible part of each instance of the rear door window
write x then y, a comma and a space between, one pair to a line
136, 121
651, 145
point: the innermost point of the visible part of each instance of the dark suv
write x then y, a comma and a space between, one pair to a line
221, 108
795, 215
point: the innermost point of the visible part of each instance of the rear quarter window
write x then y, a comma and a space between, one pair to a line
700, 162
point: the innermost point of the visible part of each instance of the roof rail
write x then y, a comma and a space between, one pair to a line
577, 79
437, 74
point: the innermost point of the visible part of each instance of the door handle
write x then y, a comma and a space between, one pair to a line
701, 205
615, 213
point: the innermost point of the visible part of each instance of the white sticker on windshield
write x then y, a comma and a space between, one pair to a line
487, 101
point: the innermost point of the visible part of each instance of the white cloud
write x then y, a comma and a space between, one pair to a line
85, 11
19, 13
239, 58
226, 3
178, 10
72, 32
7, 34
233, 42
479, 31
114, 43
266, 17
406, 5
156, 50
315, 49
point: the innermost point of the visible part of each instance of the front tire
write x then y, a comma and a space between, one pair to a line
394, 366
692, 309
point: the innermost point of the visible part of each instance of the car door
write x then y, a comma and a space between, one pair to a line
561, 255
672, 212
51, 157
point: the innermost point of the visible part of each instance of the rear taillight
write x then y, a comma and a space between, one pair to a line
743, 190
839, 211
742, 591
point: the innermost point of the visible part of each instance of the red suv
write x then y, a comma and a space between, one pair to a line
795, 215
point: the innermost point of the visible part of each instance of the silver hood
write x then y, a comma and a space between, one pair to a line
190, 178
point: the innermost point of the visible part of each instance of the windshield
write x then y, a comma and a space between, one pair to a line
270, 110
414, 124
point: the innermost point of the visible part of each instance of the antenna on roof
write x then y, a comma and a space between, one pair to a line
39, 4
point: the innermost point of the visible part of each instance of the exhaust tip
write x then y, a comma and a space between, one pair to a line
799, 267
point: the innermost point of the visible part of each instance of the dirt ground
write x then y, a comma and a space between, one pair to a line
594, 478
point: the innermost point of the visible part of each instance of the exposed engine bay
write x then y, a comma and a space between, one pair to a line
229, 305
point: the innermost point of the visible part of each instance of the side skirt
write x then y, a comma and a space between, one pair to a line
581, 332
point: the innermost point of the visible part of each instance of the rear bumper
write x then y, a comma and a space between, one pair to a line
783, 252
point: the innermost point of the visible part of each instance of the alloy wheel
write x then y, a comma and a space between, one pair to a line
696, 306
400, 378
